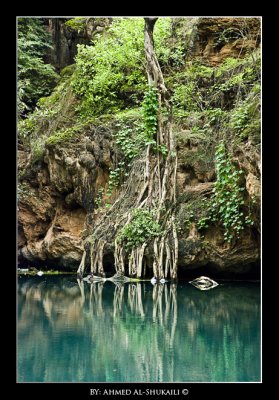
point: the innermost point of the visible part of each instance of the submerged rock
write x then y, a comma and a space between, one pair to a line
204, 283
154, 280
119, 277
23, 269
94, 278
116, 278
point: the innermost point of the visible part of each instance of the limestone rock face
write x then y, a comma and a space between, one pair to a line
197, 250
57, 199
219, 38
66, 40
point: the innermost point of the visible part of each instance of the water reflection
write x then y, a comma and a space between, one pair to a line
70, 331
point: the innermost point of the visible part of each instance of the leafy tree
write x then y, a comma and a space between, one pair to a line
110, 73
35, 78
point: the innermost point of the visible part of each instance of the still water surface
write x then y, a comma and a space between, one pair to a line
75, 332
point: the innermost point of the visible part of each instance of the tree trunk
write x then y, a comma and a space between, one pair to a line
166, 167
153, 69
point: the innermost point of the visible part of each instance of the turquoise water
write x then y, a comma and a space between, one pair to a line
74, 332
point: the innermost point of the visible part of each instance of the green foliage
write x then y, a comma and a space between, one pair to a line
179, 43
245, 117
110, 73
128, 115
192, 209
35, 77
99, 197
230, 83
214, 117
200, 87
150, 107
240, 117
190, 218
201, 72
37, 150
110, 67
228, 199
237, 75
52, 114
141, 229
161, 148
227, 35
38, 143
228, 196
161, 35
114, 179
187, 87
23, 190
131, 139
227, 66
63, 135
26, 127
150, 113
68, 71
185, 98
212, 104
21, 98
127, 142
78, 24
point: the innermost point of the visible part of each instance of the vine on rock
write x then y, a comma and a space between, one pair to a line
227, 203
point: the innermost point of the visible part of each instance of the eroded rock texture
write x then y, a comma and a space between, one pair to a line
57, 199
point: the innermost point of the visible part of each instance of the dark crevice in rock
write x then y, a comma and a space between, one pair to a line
251, 271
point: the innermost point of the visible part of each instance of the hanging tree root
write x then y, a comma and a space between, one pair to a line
152, 185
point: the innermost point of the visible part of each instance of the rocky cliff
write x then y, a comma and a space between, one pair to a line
64, 164
66, 39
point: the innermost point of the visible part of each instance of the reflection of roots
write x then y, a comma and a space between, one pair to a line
165, 298
164, 303
135, 298
96, 298
81, 287
118, 299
